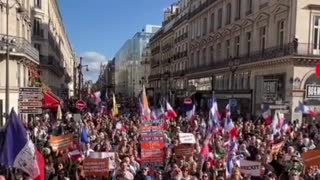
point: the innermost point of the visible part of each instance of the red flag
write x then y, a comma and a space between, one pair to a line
205, 150
41, 164
170, 112
318, 70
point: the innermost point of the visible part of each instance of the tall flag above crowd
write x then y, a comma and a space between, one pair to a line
145, 110
304, 109
115, 110
19, 151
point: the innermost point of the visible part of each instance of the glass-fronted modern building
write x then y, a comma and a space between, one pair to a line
129, 70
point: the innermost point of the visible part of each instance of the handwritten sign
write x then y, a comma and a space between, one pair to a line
62, 142
311, 158
187, 138
96, 167
250, 167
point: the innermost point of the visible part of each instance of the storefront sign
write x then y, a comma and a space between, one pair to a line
201, 84
270, 87
312, 91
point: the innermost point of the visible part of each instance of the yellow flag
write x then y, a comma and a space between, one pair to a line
115, 111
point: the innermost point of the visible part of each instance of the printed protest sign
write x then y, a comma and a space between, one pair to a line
62, 142
152, 146
311, 158
187, 138
96, 167
250, 167
103, 155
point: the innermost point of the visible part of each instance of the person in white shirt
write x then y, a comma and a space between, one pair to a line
88, 150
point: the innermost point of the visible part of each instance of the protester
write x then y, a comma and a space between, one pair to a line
217, 146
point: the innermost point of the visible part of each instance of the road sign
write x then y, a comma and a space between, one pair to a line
31, 111
30, 103
81, 105
30, 100
233, 103
187, 101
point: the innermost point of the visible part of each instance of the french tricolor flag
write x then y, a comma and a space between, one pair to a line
266, 114
228, 124
19, 151
171, 114
305, 110
214, 115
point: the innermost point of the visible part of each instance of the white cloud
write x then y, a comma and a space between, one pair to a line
93, 60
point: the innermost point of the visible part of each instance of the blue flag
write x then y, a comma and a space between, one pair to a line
18, 150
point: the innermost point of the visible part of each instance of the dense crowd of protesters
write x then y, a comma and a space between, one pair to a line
212, 151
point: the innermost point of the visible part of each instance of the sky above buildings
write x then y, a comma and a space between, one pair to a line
98, 28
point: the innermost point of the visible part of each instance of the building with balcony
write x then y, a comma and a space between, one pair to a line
169, 54
56, 54
23, 57
276, 45
128, 67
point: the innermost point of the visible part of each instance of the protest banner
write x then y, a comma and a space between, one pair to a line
187, 138
276, 148
183, 150
62, 142
152, 157
96, 167
152, 145
103, 155
251, 168
311, 158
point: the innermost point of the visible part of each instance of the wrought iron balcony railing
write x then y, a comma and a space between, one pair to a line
294, 49
19, 45
54, 64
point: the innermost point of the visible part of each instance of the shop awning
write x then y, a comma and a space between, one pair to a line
51, 101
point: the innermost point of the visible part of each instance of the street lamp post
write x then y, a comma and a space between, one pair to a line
7, 62
7, 44
233, 66
80, 76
